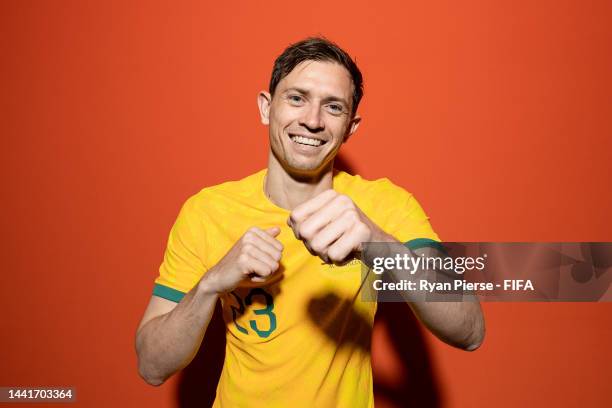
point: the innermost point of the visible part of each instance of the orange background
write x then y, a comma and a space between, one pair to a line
496, 115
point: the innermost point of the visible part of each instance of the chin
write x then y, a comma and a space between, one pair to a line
302, 168
305, 170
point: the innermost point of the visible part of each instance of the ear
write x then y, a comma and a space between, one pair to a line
264, 100
352, 127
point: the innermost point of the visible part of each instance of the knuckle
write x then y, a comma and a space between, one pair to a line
305, 232
344, 200
351, 214
317, 245
243, 258
294, 217
362, 229
335, 254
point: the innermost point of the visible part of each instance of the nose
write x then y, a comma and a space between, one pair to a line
312, 118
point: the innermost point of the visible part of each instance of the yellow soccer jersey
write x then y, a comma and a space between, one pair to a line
302, 339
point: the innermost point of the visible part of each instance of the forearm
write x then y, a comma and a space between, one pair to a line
460, 324
168, 343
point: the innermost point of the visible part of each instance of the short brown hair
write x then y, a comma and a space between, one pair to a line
316, 49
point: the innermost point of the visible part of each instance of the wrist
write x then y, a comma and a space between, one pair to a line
379, 235
207, 287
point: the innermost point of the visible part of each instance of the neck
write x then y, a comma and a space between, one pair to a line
287, 191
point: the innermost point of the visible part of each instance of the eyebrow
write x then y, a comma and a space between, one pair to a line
330, 98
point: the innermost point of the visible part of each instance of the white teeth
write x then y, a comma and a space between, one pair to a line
306, 140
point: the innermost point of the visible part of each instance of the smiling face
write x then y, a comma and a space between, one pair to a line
309, 116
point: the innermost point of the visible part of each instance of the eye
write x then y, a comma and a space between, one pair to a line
335, 108
296, 100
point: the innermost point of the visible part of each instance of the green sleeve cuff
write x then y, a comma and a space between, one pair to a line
424, 242
168, 293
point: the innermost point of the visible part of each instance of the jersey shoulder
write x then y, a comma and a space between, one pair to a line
390, 206
358, 187
247, 188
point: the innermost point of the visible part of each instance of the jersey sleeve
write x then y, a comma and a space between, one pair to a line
406, 220
182, 266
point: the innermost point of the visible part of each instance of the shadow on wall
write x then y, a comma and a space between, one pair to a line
403, 373
408, 380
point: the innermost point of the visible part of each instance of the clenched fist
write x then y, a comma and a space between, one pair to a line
255, 256
333, 227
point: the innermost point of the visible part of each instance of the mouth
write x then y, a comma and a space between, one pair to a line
307, 141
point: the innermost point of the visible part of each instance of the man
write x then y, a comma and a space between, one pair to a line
278, 249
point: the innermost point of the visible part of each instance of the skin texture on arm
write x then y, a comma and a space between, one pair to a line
314, 101
333, 227
170, 334
460, 324
310, 115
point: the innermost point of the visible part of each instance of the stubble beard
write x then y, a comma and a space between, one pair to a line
311, 171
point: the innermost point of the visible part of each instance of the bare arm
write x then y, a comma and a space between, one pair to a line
170, 334
333, 227
460, 324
